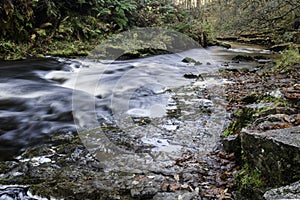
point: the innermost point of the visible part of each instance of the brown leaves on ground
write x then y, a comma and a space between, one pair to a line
211, 178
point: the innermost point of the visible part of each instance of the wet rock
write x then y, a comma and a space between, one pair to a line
142, 53
297, 86
255, 39
274, 153
291, 191
15, 192
227, 38
191, 76
264, 61
191, 60
281, 47
223, 44
205, 103
292, 94
219, 43
243, 58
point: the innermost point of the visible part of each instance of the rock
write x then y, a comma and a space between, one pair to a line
275, 93
291, 191
15, 192
188, 60
260, 57
191, 60
205, 103
251, 98
190, 76
254, 39
222, 44
264, 61
228, 38
292, 94
142, 53
274, 153
283, 46
165, 196
297, 86
232, 144
243, 58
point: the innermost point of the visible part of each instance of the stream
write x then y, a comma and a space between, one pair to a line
135, 116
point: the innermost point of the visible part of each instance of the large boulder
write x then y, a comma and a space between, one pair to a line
274, 153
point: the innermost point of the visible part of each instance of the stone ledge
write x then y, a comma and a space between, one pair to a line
275, 153
291, 191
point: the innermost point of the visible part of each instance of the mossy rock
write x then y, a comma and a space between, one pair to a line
241, 119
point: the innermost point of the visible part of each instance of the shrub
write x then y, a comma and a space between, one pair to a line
289, 57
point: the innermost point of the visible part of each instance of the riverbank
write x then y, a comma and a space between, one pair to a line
67, 49
264, 101
134, 44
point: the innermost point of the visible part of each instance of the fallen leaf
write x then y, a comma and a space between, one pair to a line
176, 177
135, 182
174, 186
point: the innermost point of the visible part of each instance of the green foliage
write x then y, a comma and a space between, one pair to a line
158, 13
289, 57
41, 22
119, 13
80, 19
11, 51
16, 19
237, 16
284, 37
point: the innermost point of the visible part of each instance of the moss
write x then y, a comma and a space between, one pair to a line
289, 58
3, 166
231, 129
68, 53
223, 71
241, 119
268, 99
245, 116
4, 179
272, 107
249, 182
42, 190
64, 48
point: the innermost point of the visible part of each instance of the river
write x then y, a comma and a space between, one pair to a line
134, 115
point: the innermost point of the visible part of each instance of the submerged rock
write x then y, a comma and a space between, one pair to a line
243, 58
191, 60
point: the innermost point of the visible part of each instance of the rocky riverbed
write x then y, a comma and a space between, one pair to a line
66, 169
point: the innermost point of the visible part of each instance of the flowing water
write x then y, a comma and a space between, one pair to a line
133, 115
